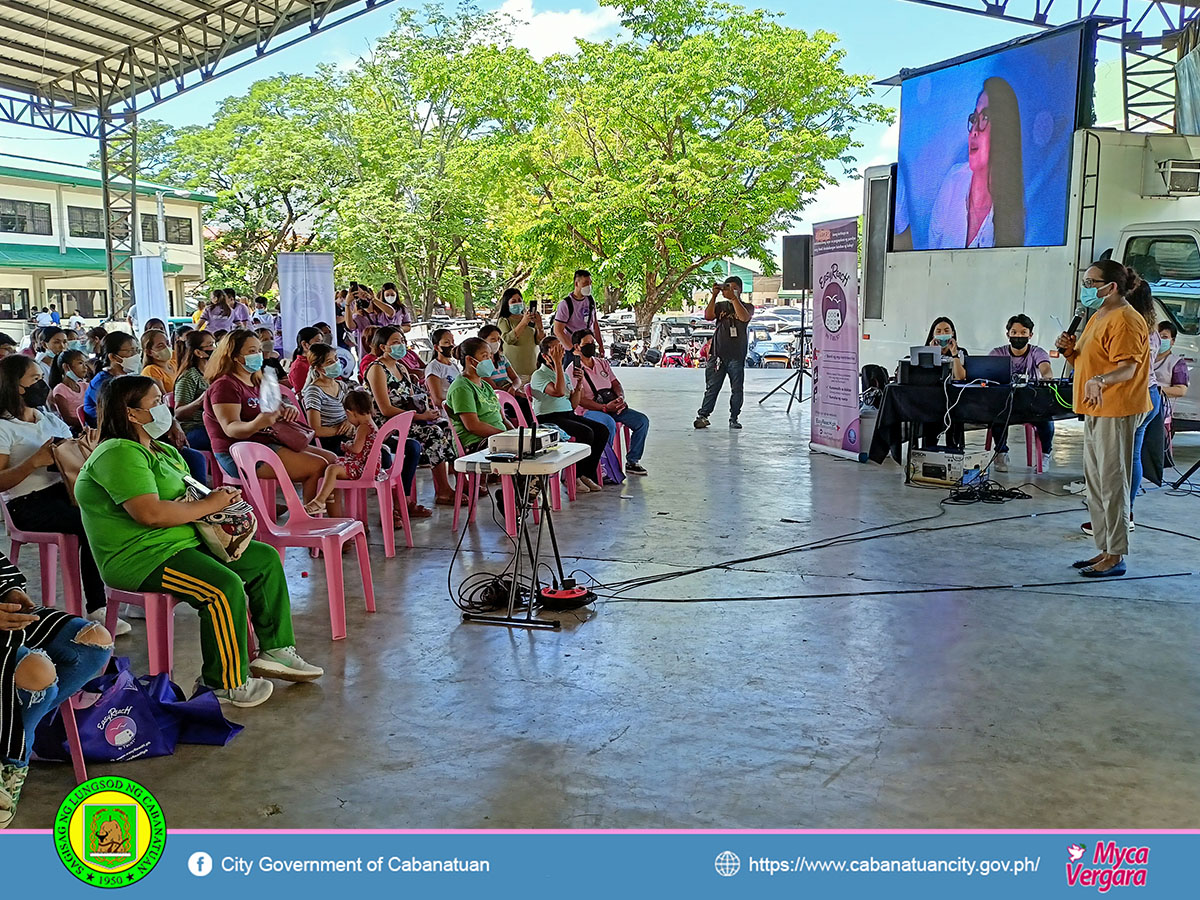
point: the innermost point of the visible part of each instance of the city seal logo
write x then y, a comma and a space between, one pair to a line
110, 832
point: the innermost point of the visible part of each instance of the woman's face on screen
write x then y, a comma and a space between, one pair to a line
979, 140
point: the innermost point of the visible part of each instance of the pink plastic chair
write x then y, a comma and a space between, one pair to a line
160, 624
66, 709
54, 550
509, 402
569, 474
1033, 447
389, 489
303, 530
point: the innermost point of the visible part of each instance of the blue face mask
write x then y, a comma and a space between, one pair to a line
485, 368
253, 362
81, 346
943, 339
1166, 345
1090, 297
397, 351
516, 308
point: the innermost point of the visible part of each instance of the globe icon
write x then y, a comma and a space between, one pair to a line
727, 863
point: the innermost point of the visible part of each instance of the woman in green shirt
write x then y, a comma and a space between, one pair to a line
139, 522
521, 331
473, 404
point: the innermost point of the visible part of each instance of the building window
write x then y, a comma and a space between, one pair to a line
14, 303
179, 229
23, 217
86, 302
85, 222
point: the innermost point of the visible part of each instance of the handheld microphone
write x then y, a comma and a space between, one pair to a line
1075, 324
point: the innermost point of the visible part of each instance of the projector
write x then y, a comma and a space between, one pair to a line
946, 468
524, 442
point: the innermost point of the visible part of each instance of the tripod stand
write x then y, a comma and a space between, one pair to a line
796, 379
1186, 475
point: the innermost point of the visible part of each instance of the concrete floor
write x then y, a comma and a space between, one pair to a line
1050, 707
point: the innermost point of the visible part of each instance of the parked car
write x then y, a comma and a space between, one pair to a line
770, 354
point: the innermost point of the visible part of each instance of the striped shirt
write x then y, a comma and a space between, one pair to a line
331, 409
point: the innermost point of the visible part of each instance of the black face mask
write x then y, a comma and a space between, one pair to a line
37, 393
445, 351
1019, 343
587, 351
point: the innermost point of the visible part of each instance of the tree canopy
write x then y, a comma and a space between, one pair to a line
453, 163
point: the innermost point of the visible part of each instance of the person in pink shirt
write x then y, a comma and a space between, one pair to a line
603, 398
69, 378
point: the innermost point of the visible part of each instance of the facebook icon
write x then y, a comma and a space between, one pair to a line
200, 864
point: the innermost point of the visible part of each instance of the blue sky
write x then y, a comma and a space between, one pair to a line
880, 36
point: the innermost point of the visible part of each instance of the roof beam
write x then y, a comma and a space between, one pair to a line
30, 112
28, 50
47, 16
90, 49
117, 18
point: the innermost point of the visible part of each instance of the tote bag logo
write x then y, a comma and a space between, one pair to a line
110, 832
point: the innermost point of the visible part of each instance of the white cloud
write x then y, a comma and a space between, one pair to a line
547, 32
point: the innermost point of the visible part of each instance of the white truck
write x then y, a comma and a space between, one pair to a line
1134, 195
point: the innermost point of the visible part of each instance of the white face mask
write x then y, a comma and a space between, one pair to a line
390, 298
586, 290
493, 347
160, 421
131, 364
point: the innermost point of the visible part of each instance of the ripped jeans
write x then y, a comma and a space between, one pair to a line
75, 664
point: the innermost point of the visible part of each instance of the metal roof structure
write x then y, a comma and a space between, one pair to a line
1150, 36
89, 67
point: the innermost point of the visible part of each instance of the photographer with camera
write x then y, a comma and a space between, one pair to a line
728, 354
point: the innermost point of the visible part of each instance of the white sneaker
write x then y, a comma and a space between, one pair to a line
1001, 462
581, 488
1045, 462
99, 615
253, 693
285, 664
591, 485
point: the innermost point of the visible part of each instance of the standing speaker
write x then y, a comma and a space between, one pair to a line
797, 262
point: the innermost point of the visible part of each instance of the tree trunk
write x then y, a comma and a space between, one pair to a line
612, 298
468, 300
267, 279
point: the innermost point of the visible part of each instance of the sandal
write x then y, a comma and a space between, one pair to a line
419, 512
444, 501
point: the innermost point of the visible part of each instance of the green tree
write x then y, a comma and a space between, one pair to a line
699, 138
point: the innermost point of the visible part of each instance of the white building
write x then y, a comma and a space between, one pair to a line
52, 238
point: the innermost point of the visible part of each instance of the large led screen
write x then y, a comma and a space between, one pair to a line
985, 148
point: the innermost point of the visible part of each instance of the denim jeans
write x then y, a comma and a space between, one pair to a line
1135, 470
714, 376
75, 664
637, 422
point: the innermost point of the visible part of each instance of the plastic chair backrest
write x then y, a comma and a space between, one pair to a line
248, 456
398, 425
508, 401
290, 395
532, 408
458, 447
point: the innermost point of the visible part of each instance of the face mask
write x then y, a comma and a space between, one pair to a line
333, 370
37, 393
1090, 297
587, 351
81, 346
162, 355
943, 339
397, 351
445, 351
253, 362
493, 347
71, 375
1018, 343
586, 290
390, 298
485, 368
160, 421
1166, 345
46, 355
516, 308
131, 364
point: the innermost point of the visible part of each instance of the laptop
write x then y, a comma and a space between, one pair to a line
996, 369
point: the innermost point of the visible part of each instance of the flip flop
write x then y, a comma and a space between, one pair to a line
1114, 572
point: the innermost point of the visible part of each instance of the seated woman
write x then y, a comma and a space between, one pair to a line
1170, 369
271, 358
52, 341
190, 386
554, 401
504, 377
443, 368
473, 403
298, 370
366, 340
158, 359
95, 340
118, 356
395, 390
232, 413
69, 375
603, 399
136, 512
154, 324
30, 483
7, 345
46, 656
1032, 363
323, 395
942, 333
